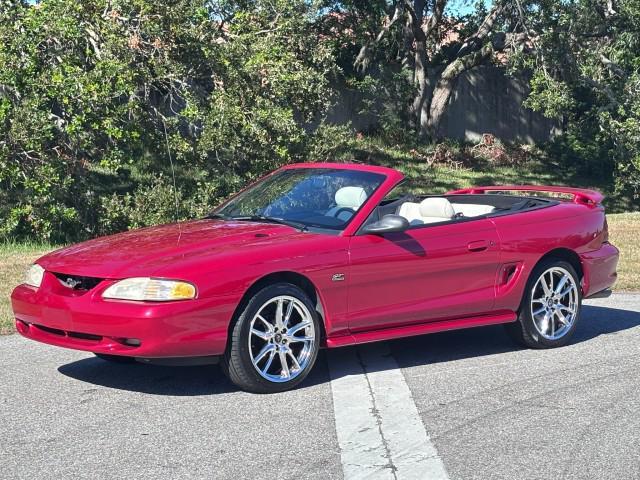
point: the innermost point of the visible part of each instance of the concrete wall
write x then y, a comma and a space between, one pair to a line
485, 101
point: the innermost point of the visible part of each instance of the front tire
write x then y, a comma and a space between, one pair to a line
274, 342
550, 307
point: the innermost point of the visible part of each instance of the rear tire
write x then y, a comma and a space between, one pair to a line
115, 358
274, 342
550, 308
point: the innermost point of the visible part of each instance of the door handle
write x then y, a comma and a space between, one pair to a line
479, 245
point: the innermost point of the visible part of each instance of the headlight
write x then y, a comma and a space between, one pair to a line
150, 289
34, 275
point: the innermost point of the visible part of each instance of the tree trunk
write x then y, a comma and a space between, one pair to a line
419, 61
445, 85
420, 82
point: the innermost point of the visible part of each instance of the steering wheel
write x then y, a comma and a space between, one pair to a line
344, 209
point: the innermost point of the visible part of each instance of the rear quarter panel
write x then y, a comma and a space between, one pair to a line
526, 237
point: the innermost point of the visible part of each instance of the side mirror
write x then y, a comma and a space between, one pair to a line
388, 224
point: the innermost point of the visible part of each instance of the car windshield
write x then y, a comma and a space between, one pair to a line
309, 197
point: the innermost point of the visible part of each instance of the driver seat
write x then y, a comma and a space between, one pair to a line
349, 198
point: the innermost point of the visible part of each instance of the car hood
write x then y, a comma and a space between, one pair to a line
146, 251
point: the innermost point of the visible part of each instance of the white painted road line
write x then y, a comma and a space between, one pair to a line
379, 430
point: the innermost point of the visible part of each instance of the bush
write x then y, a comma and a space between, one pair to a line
98, 99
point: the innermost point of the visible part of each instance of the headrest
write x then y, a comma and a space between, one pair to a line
350, 197
436, 207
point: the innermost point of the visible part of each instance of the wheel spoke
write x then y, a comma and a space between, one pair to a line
287, 315
266, 323
539, 311
296, 365
545, 286
567, 309
266, 349
561, 283
272, 355
279, 313
566, 291
285, 366
544, 324
561, 317
538, 300
553, 324
300, 339
296, 328
263, 335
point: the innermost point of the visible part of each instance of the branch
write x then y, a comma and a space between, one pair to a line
610, 11
614, 67
476, 40
467, 62
93, 40
435, 18
613, 101
364, 56
10, 93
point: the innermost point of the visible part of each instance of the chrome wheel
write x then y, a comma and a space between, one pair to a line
282, 338
554, 303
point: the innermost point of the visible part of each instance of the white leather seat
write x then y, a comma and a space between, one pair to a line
430, 210
411, 211
436, 210
350, 198
472, 209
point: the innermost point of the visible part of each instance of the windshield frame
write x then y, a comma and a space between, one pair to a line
380, 171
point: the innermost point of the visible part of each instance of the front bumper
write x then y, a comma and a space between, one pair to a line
599, 269
85, 321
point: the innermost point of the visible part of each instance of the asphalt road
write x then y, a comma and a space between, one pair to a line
490, 409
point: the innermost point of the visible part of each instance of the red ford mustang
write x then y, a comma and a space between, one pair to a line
324, 255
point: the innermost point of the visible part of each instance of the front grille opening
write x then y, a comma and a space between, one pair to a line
84, 336
54, 331
65, 333
77, 282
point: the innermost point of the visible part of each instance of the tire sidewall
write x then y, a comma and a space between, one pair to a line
525, 308
244, 324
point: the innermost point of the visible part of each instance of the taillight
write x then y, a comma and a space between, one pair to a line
605, 232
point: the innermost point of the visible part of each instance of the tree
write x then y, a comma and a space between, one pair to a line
586, 71
434, 47
103, 97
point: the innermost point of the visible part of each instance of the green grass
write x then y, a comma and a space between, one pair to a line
14, 260
624, 232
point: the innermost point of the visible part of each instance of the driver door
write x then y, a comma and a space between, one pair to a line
427, 273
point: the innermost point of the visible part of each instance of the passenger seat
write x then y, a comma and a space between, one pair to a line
430, 210
472, 210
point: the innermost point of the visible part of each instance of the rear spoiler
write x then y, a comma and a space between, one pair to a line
581, 196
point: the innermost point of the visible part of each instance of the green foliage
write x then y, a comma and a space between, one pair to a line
585, 63
385, 97
548, 95
332, 142
98, 98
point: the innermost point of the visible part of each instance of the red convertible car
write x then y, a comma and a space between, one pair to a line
329, 255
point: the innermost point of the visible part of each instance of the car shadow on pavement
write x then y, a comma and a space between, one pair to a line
166, 380
421, 350
493, 340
